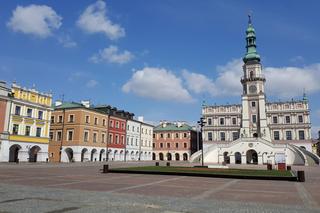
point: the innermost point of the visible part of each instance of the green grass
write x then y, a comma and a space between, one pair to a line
241, 172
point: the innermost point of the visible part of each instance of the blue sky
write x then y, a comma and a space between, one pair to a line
159, 59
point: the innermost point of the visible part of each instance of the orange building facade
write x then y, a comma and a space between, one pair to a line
78, 133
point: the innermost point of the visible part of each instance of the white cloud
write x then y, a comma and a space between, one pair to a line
111, 54
291, 81
158, 84
284, 82
38, 20
92, 83
94, 20
227, 82
66, 41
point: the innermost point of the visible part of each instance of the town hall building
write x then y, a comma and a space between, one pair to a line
257, 131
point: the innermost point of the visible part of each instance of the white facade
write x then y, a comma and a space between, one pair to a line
146, 142
133, 140
257, 132
84, 154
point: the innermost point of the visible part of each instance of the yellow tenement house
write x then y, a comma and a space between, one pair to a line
25, 132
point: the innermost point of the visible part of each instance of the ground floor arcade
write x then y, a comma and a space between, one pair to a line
17, 151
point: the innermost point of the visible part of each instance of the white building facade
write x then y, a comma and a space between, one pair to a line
256, 131
133, 140
146, 141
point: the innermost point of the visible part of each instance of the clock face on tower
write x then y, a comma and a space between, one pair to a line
252, 89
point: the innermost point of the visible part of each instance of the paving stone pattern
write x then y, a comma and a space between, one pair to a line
59, 188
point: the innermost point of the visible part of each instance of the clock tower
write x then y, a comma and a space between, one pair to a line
254, 119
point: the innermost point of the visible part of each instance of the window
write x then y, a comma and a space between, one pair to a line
301, 135
177, 135
29, 112
209, 136
51, 135
235, 135
38, 132
185, 145
254, 119
95, 121
300, 119
15, 129
52, 119
288, 135
136, 142
60, 119
221, 121
117, 124
94, 138
275, 119
122, 139
161, 145
209, 121
86, 136
110, 138
184, 134
87, 119
137, 129
127, 140
59, 136
17, 110
222, 136
103, 138
111, 123
168, 135
287, 119
276, 135
161, 135
253, 104
40, 115
153, 145
154, 135
27, 133
117, 139
70, 135
168, 145
71, 118
234, 121
132, 128
122, 126
103, 122
177, 145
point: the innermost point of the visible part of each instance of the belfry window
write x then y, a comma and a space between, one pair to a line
254, 118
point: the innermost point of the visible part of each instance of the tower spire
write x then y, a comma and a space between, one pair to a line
251, 54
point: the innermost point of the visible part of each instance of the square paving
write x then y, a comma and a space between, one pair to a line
23, 184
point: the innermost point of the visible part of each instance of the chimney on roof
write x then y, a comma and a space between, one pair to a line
58, 103
86, 104
140, 118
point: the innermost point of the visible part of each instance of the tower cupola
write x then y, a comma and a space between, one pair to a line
251, 54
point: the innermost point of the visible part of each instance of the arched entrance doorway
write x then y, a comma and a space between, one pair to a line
177, 156
160, 156
237, 157
153, 156
185, 156
33, 153
93, 153
83, 155
169, 156
252, 157
102, 151
69, 153
226, 158
14, 153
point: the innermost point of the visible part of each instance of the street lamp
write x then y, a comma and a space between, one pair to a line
201, 123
